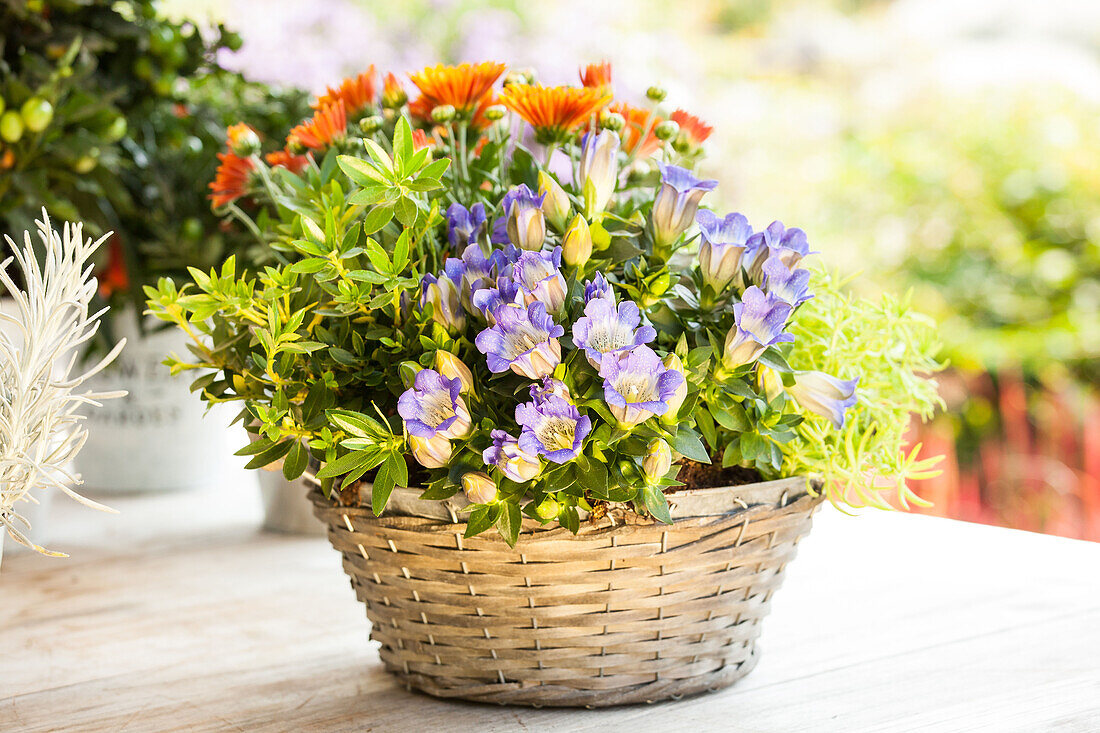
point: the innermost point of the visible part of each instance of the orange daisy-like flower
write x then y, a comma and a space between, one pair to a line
357, 93
235, 134
694, 128
597, 76
231, 180
393, 93
286, 159
464, 86
554, 112
420, 139
328, 125
635, 125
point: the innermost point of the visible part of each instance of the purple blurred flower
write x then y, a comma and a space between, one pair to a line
789, 285
552, 427
499, 233
550, 386
464, 225
434, 406
676, 203
524, 340
446, 300
487, 300
539, 277
637, 385
473, 272
513, 461
605, 330
789, 244
759, 320
824, 395
598, 287
721, 247
525, 222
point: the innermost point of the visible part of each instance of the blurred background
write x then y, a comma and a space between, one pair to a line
951, 148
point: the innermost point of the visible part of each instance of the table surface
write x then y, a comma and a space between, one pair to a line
179, 614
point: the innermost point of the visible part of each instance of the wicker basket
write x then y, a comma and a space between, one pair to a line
627, 611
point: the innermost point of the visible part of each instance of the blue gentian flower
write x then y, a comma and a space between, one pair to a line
552, 427
605, 330
434, 406
759, 320
538, 275
789, 285
445, 297
524, 340
486, 301
598, 287
790, 244
473, 271
722, 244
637, 385
525, 222
824, 395
676, 203
464, 226
514, 462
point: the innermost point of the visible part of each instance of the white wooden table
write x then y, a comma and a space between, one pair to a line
178, 614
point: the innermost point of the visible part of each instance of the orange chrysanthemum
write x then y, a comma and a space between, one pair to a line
393, 93
328, 125
114, 278
464, 86
357, 93
554, 112
635, 125
597, 76
234, 134
694, 128
286, 159
420, 139
231, 181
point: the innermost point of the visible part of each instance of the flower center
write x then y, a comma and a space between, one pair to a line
556, 433
437, 408
637, 388
521, 340
609, 337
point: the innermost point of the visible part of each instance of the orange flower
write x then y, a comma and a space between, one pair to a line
393, 94
239, 132
328, 125
231, 181
635, 125
357, 93
694, 128
554, 112
286, 159
420, 139
464, 86
114, 278
7, 160
597, 76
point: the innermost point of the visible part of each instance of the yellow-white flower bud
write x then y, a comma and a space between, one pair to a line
672, 362
451, 367
555, 202
433, 452
479, 488
657, 460
576, 245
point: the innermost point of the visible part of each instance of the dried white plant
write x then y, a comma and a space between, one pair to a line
40, 343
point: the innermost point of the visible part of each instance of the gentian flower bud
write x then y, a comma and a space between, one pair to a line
721, 246
769, 381
523, 340
479, 488
759, 320
825, 395
446, 301
598, 287
473, 272
607, 332
487, 301
657, 460
451, 367
539, 276
789, 244
513, 461
676, 203
550, 387
464, 226
673, 364
433, 452
555, 201
552, 428
599, 170
637, 386
576, 245
526, 225
434, 406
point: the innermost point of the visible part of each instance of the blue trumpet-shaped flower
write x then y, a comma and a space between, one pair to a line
539, 276
514, 462
524, 340
473, 271
791, 285
464, 226
606, 331
524, 220
434, 407
790, 244
721, 247
676, 203
759, 320
598, 287
825, 395
637, 385
552, 427
487, 300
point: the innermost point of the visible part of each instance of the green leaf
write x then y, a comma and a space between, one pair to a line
481, 519
657, 504
356, 423
270, 455
406, 211
313, 264
378, 217
594, 478
296, 460
733, 417
435, 170
687, 443
384, 482
509, 522
360, 170
349, 463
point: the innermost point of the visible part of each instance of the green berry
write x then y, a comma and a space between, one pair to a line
11, 126
37, 114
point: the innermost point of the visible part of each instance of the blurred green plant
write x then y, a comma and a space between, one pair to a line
112, 115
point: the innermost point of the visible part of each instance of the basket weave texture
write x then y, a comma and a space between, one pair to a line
626, 613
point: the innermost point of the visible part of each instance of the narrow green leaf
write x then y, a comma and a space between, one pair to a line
295, 462
509, 522
657, 504
687, 443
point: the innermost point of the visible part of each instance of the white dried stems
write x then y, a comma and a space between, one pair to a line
40, 343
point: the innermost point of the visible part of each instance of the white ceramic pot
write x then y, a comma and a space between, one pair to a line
286, 506
157, 438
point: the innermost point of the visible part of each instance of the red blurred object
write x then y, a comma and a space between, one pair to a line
114, 278
1038, 469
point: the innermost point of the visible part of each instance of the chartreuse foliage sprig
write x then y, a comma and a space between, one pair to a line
548, 330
